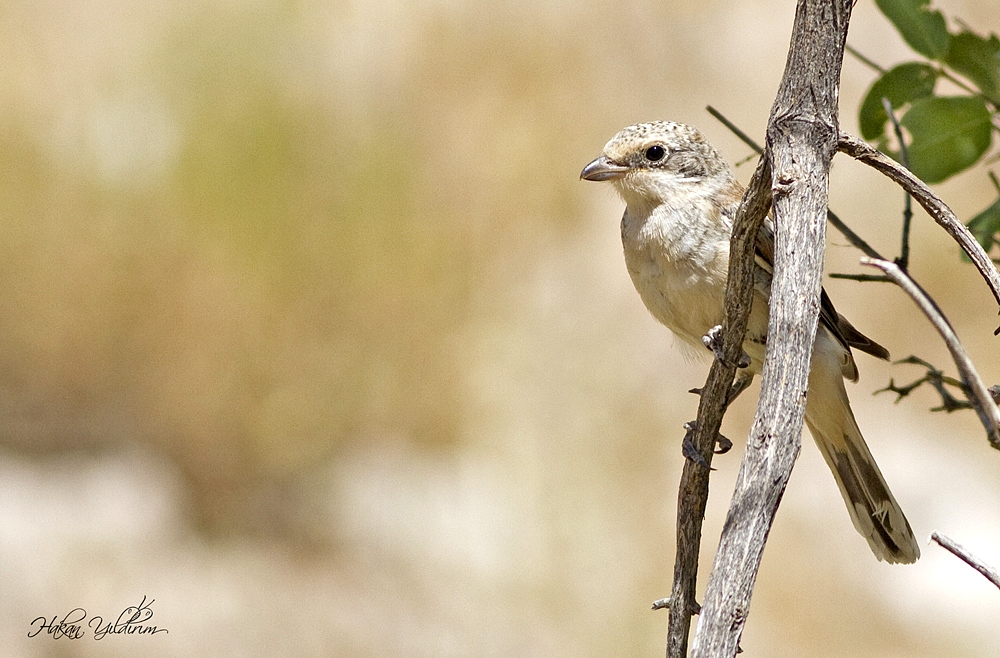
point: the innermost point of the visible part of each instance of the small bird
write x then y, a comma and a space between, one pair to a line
681, 198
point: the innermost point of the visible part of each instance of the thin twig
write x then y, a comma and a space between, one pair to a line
864, 60
864, 278
933, 204
959, 551
938, 381
993, 177
945, 73
851, 236
904, 157
979, 396
749, 141
834, 220
938, 70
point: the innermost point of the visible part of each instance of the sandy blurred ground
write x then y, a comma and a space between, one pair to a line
309, 332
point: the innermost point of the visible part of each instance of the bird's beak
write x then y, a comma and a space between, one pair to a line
603, 169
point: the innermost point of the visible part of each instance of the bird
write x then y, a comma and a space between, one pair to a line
681, 197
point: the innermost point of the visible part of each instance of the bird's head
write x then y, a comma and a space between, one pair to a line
650, 163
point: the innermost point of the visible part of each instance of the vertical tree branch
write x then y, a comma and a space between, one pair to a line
801, 140
838, 223
692, 496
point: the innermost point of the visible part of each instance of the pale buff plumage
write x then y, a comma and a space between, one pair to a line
680, 198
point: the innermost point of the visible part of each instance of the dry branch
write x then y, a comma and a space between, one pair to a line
692, 496
933, 204
977, 392
959, 551
837, 223
802, 137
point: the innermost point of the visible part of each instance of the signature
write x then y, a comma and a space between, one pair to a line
132, 621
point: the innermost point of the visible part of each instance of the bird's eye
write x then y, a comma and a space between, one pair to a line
655, 153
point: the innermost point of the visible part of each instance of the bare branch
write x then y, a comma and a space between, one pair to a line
733, 128
959, 551
801, 139
863, 278
692, 496
864, 60
851, 236
933, 204
837, 222
986, 408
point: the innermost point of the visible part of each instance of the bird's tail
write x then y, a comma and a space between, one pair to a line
874, 511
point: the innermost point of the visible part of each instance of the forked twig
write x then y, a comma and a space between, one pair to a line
979, 395
937, 380
831, 216
933, 204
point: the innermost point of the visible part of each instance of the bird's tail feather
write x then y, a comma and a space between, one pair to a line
874, 510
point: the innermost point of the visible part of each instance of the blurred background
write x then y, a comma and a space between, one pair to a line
310, 332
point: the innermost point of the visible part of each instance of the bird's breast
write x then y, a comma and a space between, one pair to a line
681, 277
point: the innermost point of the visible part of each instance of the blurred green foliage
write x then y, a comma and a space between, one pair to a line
986, 225
946, 134
923, 30
901, 85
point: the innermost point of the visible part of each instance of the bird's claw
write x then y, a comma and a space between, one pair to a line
713, 341
689, 450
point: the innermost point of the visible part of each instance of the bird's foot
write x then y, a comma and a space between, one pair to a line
713, 341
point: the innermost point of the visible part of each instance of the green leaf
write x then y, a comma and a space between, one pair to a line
948, 134
924, 30
977, 58
902, 85
986, 226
